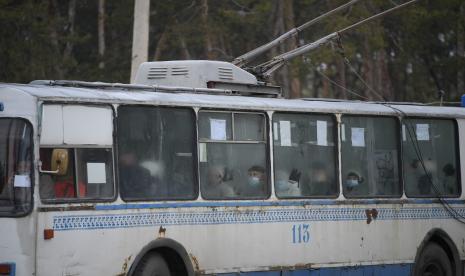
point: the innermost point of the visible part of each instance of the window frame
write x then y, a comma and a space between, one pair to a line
337, 148
195, 159
75, 180
266, 142
32, 174
398, 134
457, 155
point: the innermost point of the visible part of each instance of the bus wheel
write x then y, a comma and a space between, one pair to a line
433, 261
153, 264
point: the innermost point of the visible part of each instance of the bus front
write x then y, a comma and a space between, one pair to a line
17, 226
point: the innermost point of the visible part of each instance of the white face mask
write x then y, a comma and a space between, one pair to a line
351, 183
254, 181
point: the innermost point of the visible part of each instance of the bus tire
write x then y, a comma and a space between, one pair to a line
152, 264
433, 261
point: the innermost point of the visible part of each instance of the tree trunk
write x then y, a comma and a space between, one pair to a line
460, 54
293, 75
71, 16
140, 35
53, 17
101, 33
161, 44
341, 68
207, 34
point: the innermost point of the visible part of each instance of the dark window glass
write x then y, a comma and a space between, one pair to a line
304, 155
156, 153
370, 156
15, 167
89, 175
430, 158
234, 167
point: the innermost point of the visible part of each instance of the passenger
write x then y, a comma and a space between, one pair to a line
256, 181
135, 180
285, 186
319, 182
353, 180
216, 186
22, 184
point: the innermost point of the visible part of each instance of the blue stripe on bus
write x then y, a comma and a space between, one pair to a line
368, 270
267, 203
238, 216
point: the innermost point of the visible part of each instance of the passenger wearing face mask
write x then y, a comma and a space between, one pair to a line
353, 180
256, 182
287, 186
216, 187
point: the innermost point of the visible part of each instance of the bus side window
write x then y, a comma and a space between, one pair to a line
155, 153
232, 155
93, 174
304, 155
434, 172
370, 159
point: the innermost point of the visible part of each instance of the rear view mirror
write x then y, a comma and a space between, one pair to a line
59, 162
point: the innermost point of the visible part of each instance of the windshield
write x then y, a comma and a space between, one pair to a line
15, 167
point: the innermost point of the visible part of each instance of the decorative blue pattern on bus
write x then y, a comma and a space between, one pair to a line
367, 270
271, 203
109, 221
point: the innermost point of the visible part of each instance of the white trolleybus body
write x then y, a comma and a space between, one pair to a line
113, 179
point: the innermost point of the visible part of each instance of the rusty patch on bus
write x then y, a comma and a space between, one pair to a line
371, 215
124, 268
294, 267
161, 231
196, 263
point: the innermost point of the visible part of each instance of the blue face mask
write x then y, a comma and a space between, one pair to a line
253, 181
351, 183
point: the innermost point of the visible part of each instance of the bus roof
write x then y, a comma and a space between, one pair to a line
119, 95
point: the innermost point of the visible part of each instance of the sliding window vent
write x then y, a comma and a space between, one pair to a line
179, 71
225, 73
156, 73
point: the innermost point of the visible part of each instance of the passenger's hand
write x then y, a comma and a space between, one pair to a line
295, 175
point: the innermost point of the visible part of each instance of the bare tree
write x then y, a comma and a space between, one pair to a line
207, 33
101, 33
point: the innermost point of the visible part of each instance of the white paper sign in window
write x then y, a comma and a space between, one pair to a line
217, 129
23, 181
96, 173
358, 137
422, 131
202, 152
88, 125
322, 133
285, 133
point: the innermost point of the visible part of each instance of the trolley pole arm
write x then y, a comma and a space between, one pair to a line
244, 59
264, 70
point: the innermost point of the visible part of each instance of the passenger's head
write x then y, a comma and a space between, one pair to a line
128, 158
353, 179
318, 173
215, 175
256, 175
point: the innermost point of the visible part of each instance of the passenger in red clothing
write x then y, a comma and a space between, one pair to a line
65, 189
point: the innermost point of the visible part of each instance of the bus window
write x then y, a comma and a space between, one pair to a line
15, 167
232, 155
430, 158
155, 153
370, 165
304, 155
89, 175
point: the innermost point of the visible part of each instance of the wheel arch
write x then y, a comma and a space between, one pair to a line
173, 252
441, 238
